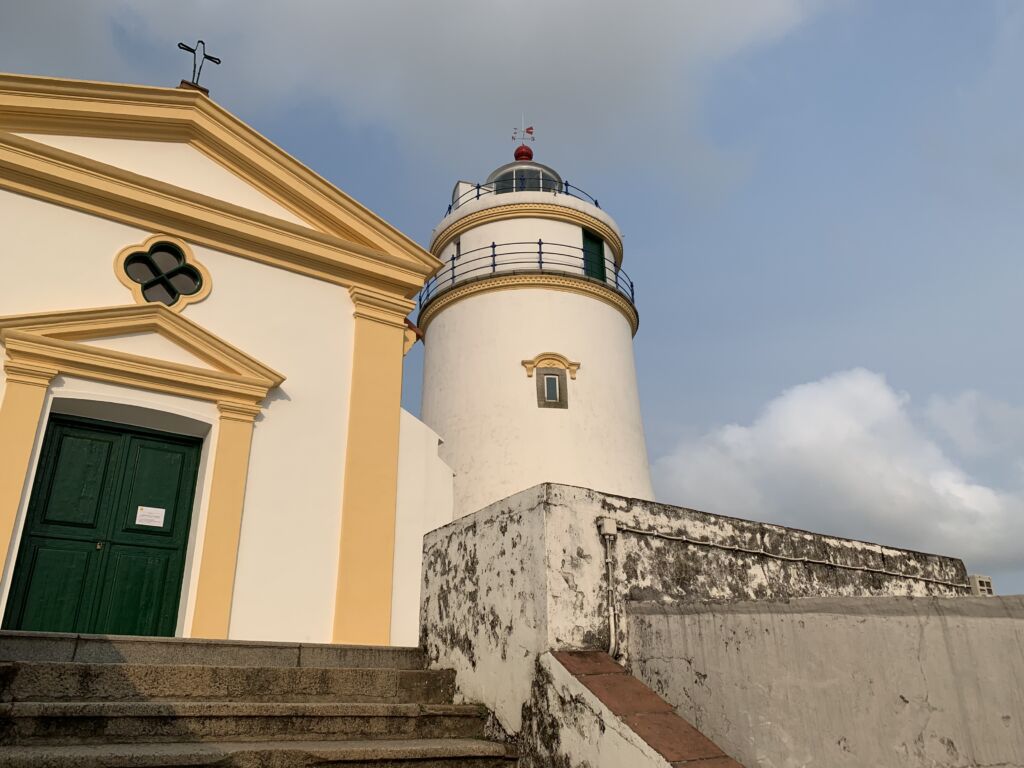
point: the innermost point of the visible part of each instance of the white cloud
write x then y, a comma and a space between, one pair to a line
590, 73
844, 455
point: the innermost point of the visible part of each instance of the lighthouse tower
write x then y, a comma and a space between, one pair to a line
528, 372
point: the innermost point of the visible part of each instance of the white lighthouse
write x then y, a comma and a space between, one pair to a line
528, 373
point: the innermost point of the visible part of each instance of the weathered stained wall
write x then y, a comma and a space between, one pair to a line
526, 575
567, 726
843, 682
719, 564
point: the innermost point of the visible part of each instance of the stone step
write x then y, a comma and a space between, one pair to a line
421, 753
44, 681
122, 649
62, 723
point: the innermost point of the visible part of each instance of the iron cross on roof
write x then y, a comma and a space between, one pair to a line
198, 57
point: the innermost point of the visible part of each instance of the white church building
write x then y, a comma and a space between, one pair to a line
202, 343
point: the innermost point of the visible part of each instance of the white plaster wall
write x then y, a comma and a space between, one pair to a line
477, 396
151, 345
424, 503
55, 258
508, 198
175, 163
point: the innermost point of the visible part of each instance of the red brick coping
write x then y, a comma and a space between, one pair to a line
649, 716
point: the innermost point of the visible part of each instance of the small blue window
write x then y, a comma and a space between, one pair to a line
551, 389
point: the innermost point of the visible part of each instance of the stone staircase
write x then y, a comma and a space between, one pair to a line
78, 701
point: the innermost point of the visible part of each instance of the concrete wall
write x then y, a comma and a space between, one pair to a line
884, 682
526, 575
60, 259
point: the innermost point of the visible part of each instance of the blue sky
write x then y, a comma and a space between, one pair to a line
822, 205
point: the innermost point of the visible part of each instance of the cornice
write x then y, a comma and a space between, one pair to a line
38, 170
32, 373
578, 285
112, 110
528, 210
132, 370
64, 330
380, 307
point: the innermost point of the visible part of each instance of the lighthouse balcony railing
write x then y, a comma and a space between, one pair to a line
467, 191
529, 256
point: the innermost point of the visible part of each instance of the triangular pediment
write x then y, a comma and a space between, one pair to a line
178, 163
147, 332
47, 125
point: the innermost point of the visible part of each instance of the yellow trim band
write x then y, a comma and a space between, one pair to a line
366, 552
532, 211
540, 280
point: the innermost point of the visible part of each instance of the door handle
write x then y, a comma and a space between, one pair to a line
99, 545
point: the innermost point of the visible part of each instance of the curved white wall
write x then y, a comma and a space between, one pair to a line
478, 398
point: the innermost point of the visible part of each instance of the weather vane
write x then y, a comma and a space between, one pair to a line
198, 57
524, 134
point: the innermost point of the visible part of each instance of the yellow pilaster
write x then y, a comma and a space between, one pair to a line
20, 414
362, 610
212, 614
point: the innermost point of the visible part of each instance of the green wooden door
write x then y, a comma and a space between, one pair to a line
593, 256
103, 548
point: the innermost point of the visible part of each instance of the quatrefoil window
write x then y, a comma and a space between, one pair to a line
163, 271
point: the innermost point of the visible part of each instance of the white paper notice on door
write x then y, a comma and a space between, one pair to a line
150, 516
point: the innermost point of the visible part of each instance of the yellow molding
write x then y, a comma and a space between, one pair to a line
102, 322
362, 612
20, 416
441, 240
211, 617
54, 175
550, 360
110, 110
546, 280
205, 282
41, 346
379, 306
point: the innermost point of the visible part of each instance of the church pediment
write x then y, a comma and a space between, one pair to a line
208, 177
145, 343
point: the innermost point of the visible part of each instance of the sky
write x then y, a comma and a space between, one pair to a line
822, 206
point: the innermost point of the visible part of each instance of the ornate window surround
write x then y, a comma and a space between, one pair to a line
551, 360
205, 282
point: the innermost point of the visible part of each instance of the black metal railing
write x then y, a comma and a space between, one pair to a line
520, 184
527, 257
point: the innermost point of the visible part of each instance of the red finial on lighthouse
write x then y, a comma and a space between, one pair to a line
524, 134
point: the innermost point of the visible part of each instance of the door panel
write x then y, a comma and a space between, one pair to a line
593, 256
54, 586
74, 484
156, 478
90, 560
135, 592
